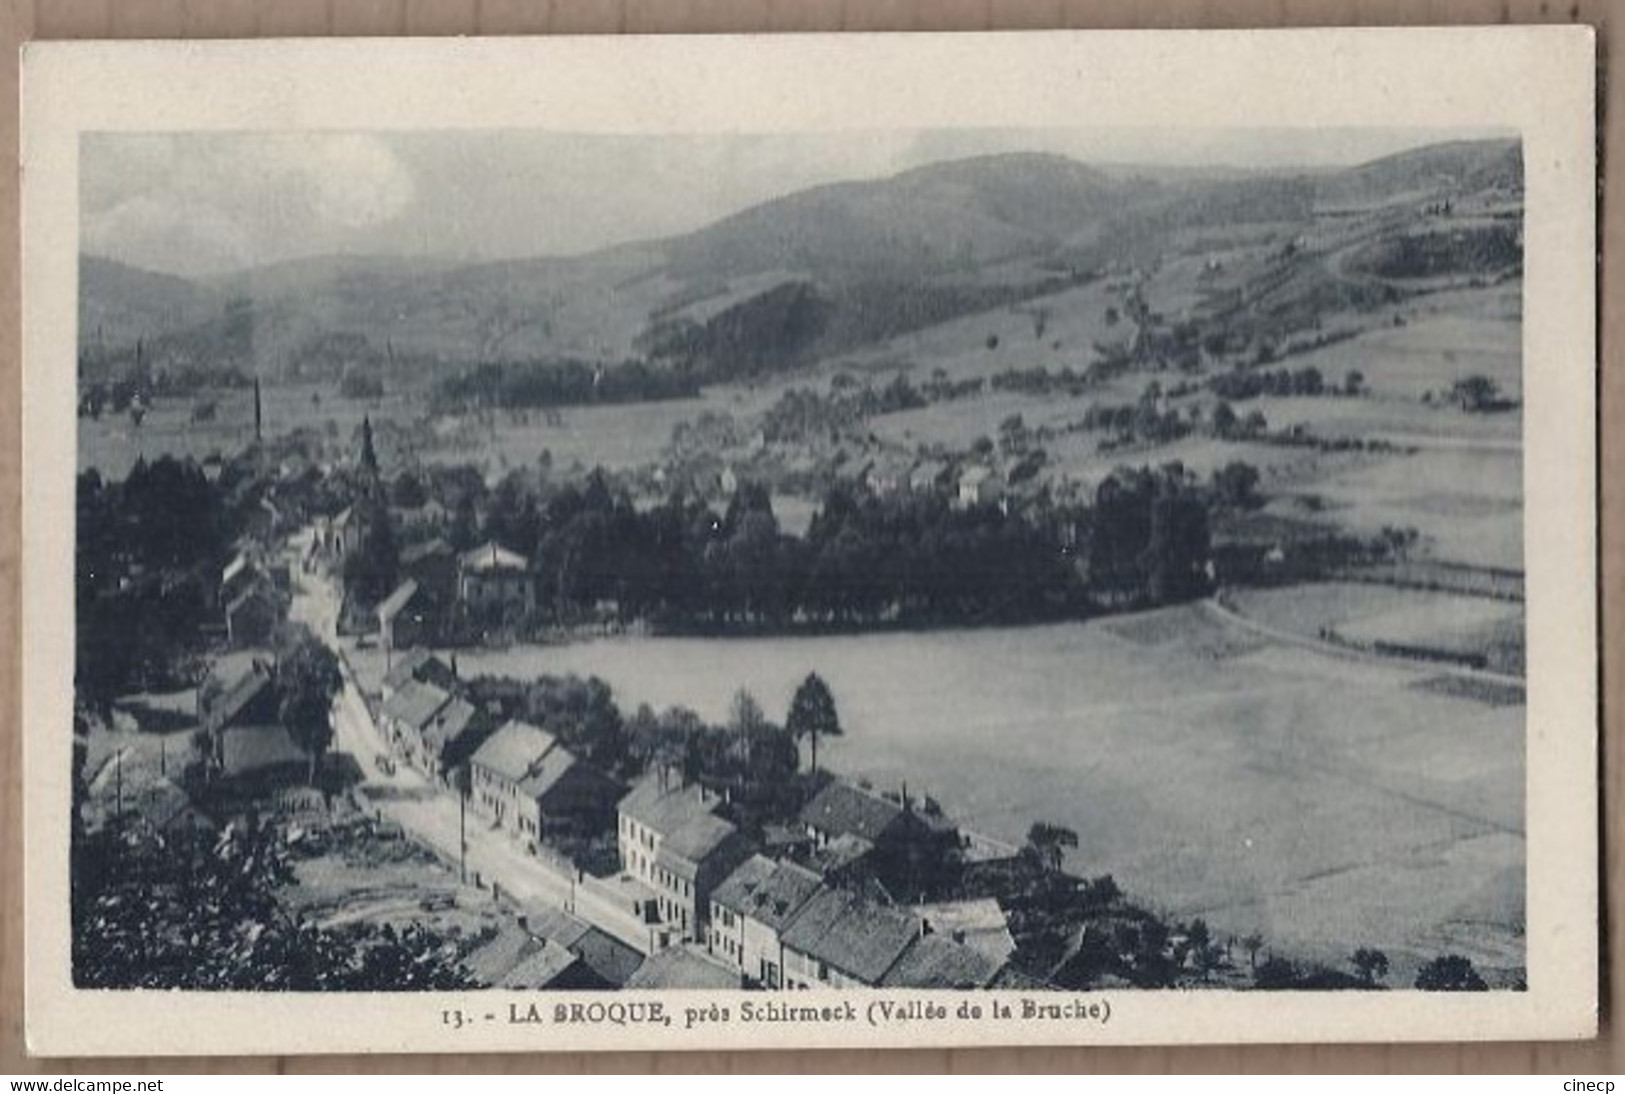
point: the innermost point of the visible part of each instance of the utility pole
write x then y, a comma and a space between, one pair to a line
118, 783
462, 834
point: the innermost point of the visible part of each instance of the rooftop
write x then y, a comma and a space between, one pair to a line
420, 665
500, 955
450, 723
515, 749
397, 601
237, 566
978, 924
857, 937
689, 844
860, 938
238, 692
555, 924
406, 668
415, 703
842, 809
539, 968
254, 748
256, 591
545, 772
420, 552
938, 962
665, 804
492, 557
685, 967
769, 892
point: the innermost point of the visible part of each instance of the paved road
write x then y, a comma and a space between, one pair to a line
424, 809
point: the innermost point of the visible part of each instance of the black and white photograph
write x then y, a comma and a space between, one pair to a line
1080, 561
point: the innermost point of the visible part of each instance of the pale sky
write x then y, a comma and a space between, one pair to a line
198, 204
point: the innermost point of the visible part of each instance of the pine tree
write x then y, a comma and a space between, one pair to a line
812, 713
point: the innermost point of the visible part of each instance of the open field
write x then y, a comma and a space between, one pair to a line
113, 443
1367, 614
1324, 802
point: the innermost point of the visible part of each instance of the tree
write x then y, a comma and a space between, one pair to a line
1252, 944
1048, 843
1235, 485
812, 714
1452, 972
1372, 965
1201, 946
745, 713
308, 679
1475, 393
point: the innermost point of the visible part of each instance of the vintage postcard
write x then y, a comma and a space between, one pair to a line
1057, 538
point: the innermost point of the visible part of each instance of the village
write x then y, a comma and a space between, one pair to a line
438, 801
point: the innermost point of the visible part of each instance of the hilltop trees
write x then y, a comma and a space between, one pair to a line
1372, 965
1476, 394
812, 714
1452, 972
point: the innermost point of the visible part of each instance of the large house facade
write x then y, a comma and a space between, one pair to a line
523, 780
750, 911
493, 581
672, 840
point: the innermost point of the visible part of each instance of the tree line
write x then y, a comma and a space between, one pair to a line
865, 559
563, 382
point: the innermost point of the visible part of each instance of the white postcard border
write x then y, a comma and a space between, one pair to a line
1538, 81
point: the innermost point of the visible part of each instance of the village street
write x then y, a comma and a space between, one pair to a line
395, 791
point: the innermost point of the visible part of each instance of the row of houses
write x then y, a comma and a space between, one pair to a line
820, 914
520, 777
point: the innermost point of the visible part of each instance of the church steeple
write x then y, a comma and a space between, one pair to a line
369, 455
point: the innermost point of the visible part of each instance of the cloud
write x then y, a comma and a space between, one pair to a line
205, 203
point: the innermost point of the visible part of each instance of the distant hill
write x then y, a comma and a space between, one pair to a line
119, 304
815, 272
931, 221
1455, 167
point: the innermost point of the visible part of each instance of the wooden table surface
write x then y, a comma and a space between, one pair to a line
24, 20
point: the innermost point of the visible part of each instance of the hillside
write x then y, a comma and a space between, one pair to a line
819, 272
120, 303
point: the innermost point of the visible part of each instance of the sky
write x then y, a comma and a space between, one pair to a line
203, 204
